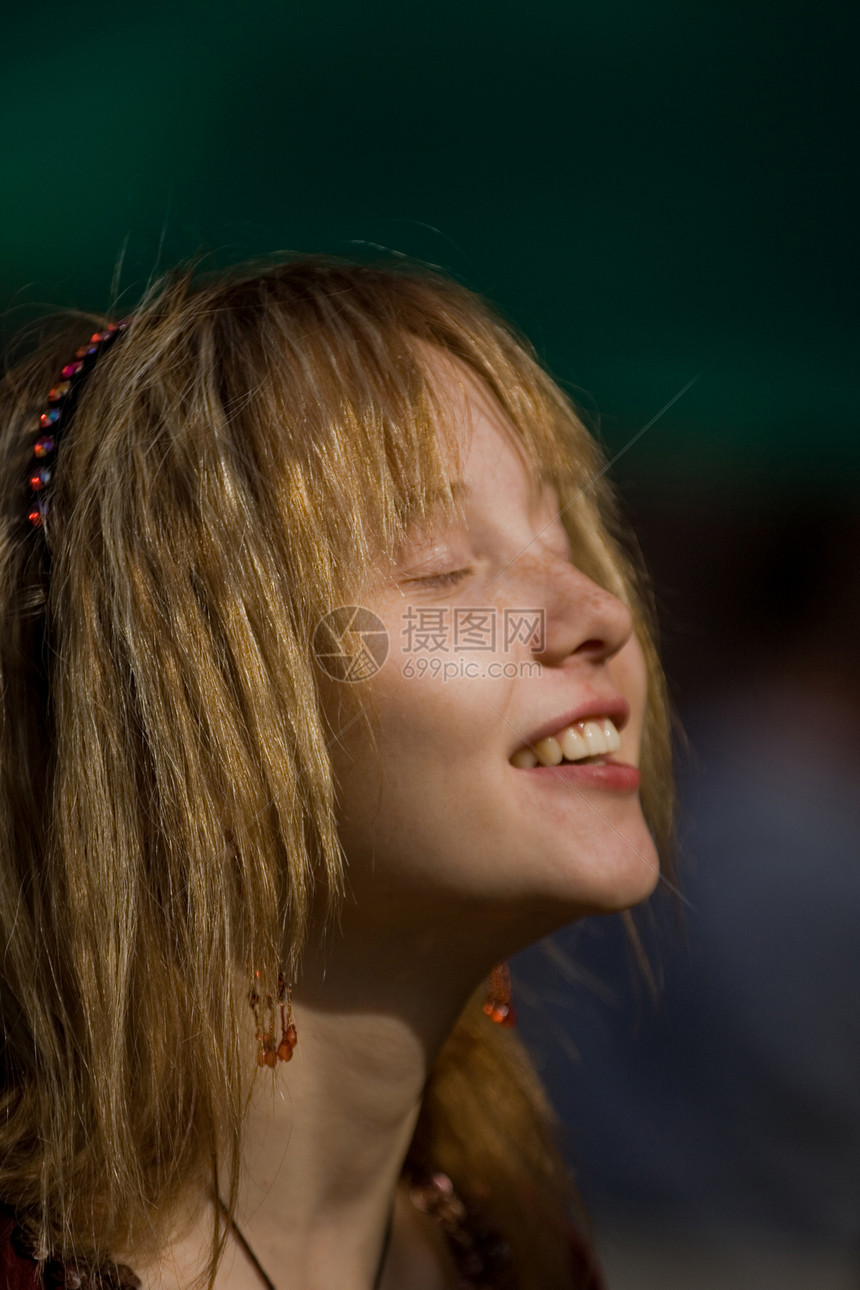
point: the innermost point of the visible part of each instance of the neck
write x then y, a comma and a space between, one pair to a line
327, 1134
324, 1146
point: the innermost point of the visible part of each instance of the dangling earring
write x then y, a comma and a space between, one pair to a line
289, 1038
498, 1006
269, 1052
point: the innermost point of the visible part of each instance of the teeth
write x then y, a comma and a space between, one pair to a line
595, 737
610, 732
574, 744
548, 751
592, 738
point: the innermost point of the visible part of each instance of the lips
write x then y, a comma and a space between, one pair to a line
608, 775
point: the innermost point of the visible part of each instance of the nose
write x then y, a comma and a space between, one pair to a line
581, 618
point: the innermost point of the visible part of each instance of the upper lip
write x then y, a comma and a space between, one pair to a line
610, 706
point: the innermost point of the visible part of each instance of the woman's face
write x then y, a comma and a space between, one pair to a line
495, 640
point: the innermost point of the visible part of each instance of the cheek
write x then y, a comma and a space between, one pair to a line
435, 726
427, 794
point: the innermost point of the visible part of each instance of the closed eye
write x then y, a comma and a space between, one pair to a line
447, 579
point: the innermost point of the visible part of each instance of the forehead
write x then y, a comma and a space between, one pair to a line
486, 451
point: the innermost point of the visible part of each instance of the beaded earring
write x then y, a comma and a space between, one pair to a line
269, 1052
498, 1006
61, 401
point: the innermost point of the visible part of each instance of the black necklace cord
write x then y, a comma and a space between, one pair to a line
266, 1280
245, 1246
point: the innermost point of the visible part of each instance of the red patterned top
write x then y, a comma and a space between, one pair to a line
19, 1269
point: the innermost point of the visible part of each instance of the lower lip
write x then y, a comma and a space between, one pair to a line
614, 777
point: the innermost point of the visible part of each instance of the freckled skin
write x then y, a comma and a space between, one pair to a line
443, 831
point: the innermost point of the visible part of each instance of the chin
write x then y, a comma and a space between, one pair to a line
569, 897
627, 893
624, 897
610, 882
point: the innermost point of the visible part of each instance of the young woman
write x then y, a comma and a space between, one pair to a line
327, 684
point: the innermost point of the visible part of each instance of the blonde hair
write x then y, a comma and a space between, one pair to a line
235, 464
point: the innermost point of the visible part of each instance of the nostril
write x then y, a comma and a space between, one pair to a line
592, 646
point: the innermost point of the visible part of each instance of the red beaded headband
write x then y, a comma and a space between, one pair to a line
61, 401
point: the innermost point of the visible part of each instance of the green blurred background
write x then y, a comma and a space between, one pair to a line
653, 192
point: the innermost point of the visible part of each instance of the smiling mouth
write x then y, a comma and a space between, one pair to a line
588, 742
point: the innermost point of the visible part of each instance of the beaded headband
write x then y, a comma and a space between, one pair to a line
61, 402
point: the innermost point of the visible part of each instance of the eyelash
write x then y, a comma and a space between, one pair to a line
448, 579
